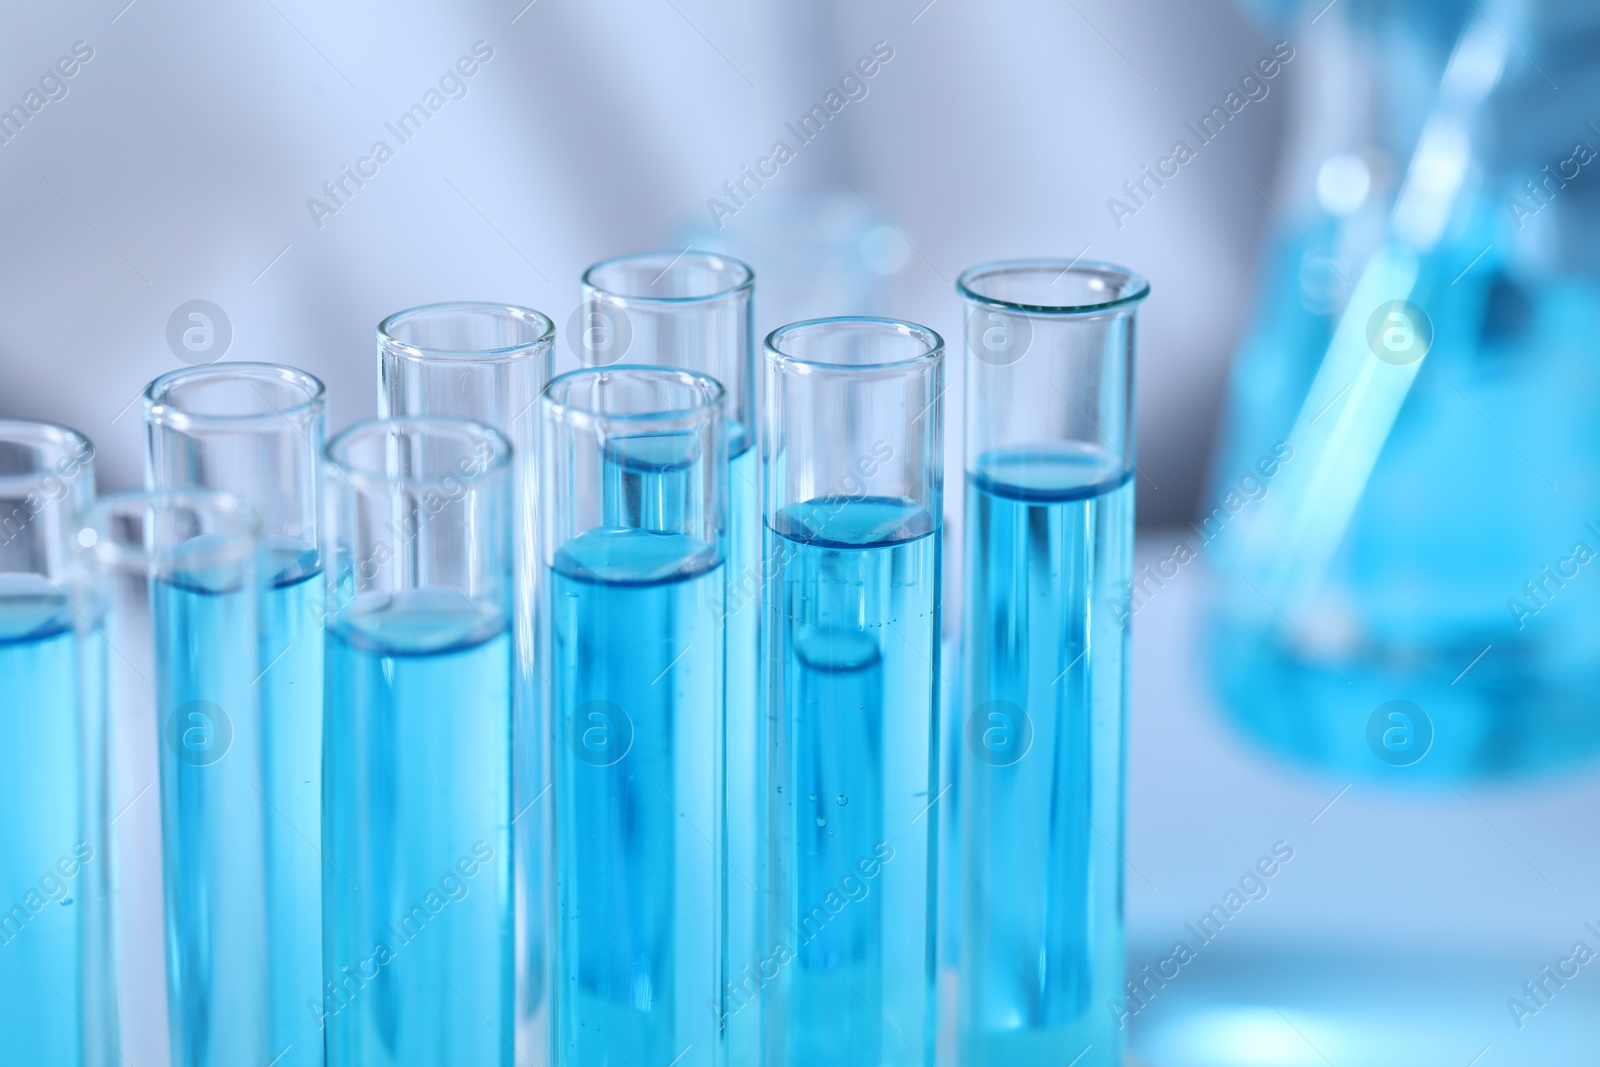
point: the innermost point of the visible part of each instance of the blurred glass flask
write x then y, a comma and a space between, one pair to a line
1401, 503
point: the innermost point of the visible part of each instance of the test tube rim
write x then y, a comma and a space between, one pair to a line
114, 555
932, 353
58, 439
393, 346
1137, 287
743, 286
561, 410
161, 410
335, 455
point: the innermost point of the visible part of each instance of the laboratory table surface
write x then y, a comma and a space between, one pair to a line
1404, 927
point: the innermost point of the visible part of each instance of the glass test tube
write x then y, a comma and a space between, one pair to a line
56, 966
693, 311
418, 912
256, 429
853, 490
172, 585
635, 540
1049, 550
489, 363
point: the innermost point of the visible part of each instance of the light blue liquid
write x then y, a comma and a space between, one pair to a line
746, 811
853, 610
1426, 579
49, 852
239, 704
291, 659
1049, 556
418, 908
638, 684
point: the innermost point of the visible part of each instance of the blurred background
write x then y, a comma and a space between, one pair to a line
1371, 231
180, 162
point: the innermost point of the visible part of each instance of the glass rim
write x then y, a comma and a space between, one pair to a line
53, 440
932, 344
336, 453
160, 408
407, 350
746, 282
235, 517
1137, 287
713, 394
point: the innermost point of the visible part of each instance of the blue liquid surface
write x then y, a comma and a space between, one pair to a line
239, 705
50, 853
638, 722
853, 650
1049, 551
418, 905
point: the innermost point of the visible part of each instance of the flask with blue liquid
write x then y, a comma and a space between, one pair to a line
1410, 591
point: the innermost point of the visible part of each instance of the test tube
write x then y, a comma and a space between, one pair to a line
256, 429
489, 363
692, 310
418, 953
1044, 663
853, 484
635, 542
56, 967
172, 587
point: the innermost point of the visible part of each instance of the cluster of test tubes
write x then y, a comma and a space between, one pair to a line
601, 720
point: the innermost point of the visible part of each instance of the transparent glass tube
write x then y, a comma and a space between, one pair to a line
175, 580
489, 363
689, 310
1040, 754
693, 311
56, 963
853, 488
635, 539
418, 957
256, 429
